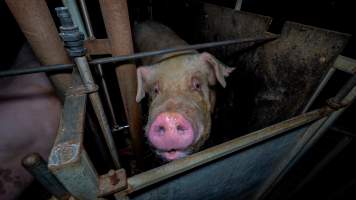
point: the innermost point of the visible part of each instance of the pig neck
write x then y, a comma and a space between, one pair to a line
153, 36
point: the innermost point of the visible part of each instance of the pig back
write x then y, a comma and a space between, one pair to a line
152, 36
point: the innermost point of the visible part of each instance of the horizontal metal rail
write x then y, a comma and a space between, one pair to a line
156, 175
61, 67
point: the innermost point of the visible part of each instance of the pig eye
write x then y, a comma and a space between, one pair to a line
156, 89
196, 84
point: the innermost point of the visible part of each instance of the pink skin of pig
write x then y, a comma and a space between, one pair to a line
180, 87
29, 119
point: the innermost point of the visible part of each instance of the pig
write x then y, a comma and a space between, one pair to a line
181, 93
29, 119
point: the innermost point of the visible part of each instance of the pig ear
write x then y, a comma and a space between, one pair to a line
143, 73
220, 71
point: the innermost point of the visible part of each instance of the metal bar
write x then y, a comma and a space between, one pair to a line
309, 138
37, 167
254, 40
345, 64
117, 24
113, 59
45, 68
88, 81
150, 177
341, 145
319, 89
341, 63
75, 14
99, 67
39, 28
86, 17
115, 125
238, 4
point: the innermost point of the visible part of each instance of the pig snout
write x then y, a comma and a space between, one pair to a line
171, 134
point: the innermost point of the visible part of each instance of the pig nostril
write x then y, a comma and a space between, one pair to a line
180, 129
161, 130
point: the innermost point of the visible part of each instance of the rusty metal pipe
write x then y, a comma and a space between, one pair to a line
117, 24
39, 28
37, 167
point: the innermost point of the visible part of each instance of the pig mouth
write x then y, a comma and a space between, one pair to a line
173, 154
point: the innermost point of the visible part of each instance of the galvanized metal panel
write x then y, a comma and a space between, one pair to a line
288, 70
237, 176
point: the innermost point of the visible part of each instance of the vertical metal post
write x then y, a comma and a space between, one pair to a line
74, 41
117, 24
99, 67
38, 27
88, 81
37, 166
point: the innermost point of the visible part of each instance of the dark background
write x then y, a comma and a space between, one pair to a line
335, 180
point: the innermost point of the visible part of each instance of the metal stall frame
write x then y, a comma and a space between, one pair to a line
77, 183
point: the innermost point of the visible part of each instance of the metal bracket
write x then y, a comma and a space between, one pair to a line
112, 182
334, 104
83, 89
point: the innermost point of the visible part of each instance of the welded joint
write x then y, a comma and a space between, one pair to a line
112, 182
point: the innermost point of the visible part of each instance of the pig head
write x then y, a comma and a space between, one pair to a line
180, 89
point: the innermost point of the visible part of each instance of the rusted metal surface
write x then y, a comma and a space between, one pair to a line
98, 46
288, 70
112, 182
89, 83
37, 167
164, 172
117, 24
38, 27
68, 159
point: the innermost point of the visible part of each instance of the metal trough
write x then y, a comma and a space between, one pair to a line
287, 73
